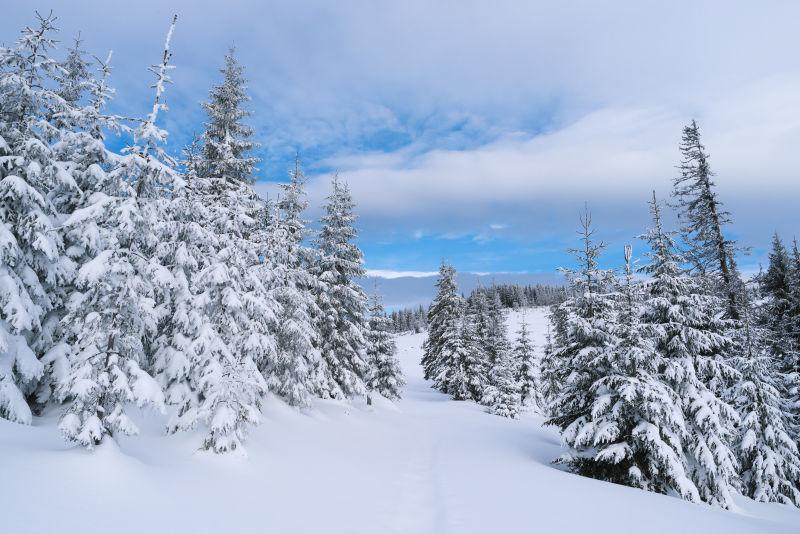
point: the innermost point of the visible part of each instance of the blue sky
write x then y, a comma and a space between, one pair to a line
475, 131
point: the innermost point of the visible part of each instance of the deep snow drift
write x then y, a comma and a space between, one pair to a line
423, 465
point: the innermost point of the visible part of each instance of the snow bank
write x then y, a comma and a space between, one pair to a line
424, 465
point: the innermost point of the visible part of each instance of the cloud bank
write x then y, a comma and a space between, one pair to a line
467, 125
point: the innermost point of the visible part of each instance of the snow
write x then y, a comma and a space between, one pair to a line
425, 464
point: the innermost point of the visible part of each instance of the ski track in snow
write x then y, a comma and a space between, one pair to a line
423, 465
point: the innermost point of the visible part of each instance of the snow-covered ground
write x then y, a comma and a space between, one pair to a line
423, 465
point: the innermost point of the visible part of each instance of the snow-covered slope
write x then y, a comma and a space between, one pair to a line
423, 465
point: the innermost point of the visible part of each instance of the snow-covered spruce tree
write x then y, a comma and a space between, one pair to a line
775, 287
73, 78
775, 317
501, 393
703, 220
385, 376
550, 364
477, 345
112, 312
636, 431
503, 389
81, 151
689, 335
290, 374
526, 366
583, 333
32, 266
790, 364
232, 294
455, 350
341, 322
114, 308
544, 373
184, 344
769, 459
444, 313
227, 140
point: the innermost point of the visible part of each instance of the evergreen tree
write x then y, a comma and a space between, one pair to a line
775, 286
478, 345
291, 374
112, 313
770, 463
83, 156
703, 219
183, 347
501, 389
232, 294
342, 302
691, 339
503, 393
385, 376
526, 366
635, 433
790, 364
32, 264
444, 315
227, 140
451, 377
583, 332
775, 317
550, 364
74, 80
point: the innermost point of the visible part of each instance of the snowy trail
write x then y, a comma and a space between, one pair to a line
424, 465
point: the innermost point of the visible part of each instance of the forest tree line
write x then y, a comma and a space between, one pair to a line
510, 296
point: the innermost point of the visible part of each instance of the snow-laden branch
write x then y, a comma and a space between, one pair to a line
148, 132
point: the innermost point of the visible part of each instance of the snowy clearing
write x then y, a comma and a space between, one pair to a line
423, 465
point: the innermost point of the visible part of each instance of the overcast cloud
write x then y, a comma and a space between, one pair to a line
485, 124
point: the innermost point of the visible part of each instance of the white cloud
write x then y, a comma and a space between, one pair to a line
512, 111
612, 158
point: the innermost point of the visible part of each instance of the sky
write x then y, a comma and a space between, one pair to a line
476, 132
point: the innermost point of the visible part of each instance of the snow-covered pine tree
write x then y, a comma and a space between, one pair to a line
444, 313
185, 342
74, 80
526, 366
112, 312
636, 431
385, 376
291, 373
79, 121
455, 349
501, 390
775, 281
583, 332
477, 343
775, 319
227, 140
769, 459
790, 365
81, 151
703, 220
32, 266
690, 337
342, 303
550, 364
232, 292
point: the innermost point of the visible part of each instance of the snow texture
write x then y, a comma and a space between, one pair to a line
425, 464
